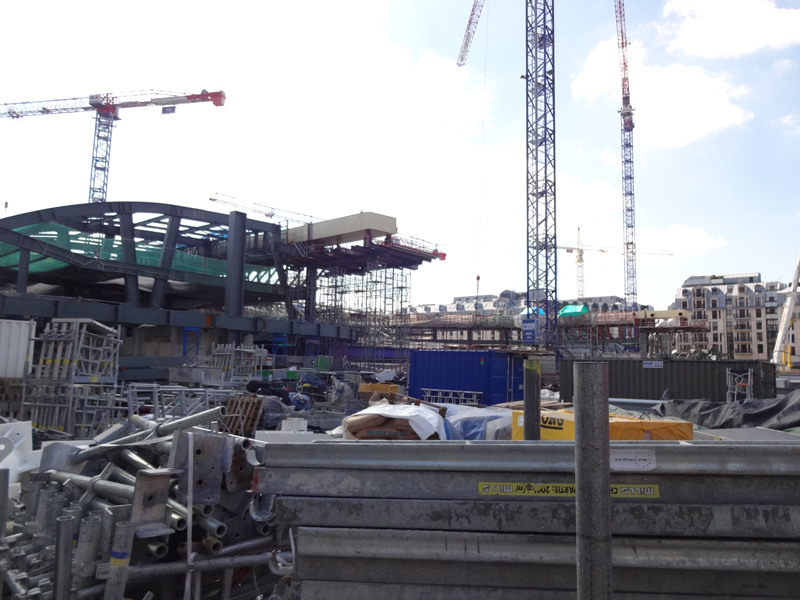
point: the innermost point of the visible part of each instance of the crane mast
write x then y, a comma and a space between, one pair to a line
541, 258
628, 206
541, 149
106, 108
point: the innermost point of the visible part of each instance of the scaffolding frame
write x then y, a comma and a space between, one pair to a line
71, 381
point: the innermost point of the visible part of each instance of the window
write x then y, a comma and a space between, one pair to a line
761, 348
758, 324
713, 303
741, 289
714, 314
714, 326
684, 304
742, 301
757, 300
716, 337
772, 288
758, 313
728, 302
759, 337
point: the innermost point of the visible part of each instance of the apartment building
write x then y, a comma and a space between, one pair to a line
742, 314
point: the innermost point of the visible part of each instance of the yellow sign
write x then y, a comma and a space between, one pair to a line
562, 490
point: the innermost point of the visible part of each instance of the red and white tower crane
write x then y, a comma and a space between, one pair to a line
628, 206
106, 108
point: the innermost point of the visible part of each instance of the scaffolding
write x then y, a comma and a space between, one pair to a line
72, 378
373, 304
239, 364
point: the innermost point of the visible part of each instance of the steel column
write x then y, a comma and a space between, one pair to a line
129, 253
234, 278
167, 254
592, 481
22, 270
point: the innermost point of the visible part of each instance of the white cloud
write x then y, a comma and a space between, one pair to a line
731, 28
783, 66
792, 123
680, 239
675, 104
612, 159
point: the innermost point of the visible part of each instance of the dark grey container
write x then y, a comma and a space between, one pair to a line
685, 379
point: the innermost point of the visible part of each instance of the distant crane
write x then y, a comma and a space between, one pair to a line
472, 24
579, 249
540, 89
786, 317
270, 212
628, 207
106, 108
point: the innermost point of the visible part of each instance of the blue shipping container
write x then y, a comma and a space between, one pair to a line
496, 375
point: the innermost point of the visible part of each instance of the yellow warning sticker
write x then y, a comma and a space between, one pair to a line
561, 490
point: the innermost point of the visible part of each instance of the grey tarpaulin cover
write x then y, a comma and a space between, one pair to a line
773, 413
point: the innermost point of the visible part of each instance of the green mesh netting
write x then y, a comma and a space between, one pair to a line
98, 246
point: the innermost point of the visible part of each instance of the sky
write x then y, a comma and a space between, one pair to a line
337, 108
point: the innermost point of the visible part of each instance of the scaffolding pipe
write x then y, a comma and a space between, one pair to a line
592, 481
532, 392
162, 429
86, 552
63, 574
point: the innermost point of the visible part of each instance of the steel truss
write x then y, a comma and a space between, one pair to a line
541, 147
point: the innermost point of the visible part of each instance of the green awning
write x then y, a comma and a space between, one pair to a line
573, 310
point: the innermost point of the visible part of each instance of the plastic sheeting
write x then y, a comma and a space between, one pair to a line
773, 413
471, 421
422, 419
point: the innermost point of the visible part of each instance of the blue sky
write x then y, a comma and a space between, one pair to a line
334, 108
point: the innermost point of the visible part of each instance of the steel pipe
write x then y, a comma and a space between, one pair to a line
4, 502
157, 549
210, 564
103, 449
212, 544
532, 394
32, 500
118, 572
54, 508
101, 487
63, 570
246, 546
86, 552
162, 429
592, 481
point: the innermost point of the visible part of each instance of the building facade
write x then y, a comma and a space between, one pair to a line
742, 314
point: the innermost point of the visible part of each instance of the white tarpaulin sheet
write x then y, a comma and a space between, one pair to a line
424, 420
